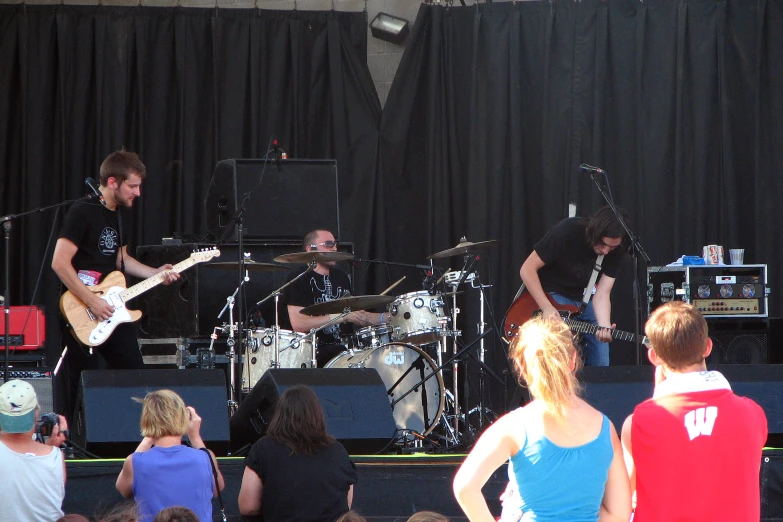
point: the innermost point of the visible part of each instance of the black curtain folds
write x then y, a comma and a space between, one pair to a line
495, 105
184, 88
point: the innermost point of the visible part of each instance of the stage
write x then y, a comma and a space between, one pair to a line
390, 488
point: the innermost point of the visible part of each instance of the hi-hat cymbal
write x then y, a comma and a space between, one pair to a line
314, 255
249, 265
352, 303
466, 247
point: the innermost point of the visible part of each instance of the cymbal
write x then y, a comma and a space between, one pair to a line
314, 255
466, 247
352, 302
249, 265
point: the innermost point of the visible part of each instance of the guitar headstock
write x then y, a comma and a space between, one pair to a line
199, 256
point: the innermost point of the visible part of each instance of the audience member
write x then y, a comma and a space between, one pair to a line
566, 456
297, 471
126, 511
32, 480
163, 472
176, 514
351, 516
73, 517
693, 451
427, 516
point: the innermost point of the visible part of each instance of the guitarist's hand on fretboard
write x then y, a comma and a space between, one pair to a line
605, 334
169, 275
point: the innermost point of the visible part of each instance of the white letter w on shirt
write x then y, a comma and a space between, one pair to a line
701, 421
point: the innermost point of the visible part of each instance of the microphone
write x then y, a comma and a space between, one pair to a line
91, 183
584, 167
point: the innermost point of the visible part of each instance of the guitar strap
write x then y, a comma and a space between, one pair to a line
588, 293
119, 222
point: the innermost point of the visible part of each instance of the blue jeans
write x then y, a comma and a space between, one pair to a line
594, 352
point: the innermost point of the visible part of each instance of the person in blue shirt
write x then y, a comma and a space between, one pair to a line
565, 456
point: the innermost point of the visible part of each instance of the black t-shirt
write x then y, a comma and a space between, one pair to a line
95, 230
316, 288
302, 487
569, 259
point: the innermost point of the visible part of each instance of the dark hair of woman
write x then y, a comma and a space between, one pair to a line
299, 422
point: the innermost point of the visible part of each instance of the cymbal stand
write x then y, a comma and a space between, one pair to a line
475, 282
230, 342
455, 364
276, 294
314, 331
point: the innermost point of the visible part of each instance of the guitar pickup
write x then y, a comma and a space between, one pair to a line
90, 314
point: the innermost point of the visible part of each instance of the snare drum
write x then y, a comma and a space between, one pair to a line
401, 367
418, 317
296, 351
373, 336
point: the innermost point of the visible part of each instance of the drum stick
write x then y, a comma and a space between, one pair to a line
392, 286
441, 277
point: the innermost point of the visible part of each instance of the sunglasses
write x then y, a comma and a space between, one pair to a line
327, 244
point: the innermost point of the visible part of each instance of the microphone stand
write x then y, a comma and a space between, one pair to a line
7, 222
240, 298
636, 250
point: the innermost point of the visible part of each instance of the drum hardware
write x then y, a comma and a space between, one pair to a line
465, 247
347, 304
249, 264
294, 352
313, 256
230, 342
395, 363
416, 317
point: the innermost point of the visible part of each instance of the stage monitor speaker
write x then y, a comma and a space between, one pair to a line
354, 401
287, 199
190, 307
764, 384
739, 341
107, 419
616, 390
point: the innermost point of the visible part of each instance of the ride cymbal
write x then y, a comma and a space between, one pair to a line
315, 255
466, 247
249, 265
352, 303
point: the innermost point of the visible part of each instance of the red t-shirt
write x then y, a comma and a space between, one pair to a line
697, 450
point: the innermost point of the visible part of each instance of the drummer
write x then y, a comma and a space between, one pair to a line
325, 283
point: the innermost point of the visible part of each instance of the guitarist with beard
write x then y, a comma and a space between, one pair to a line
92, 244
560, 267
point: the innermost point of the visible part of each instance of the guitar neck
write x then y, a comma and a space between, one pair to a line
583, 327
152, 282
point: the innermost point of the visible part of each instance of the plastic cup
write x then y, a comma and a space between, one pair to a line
737, 256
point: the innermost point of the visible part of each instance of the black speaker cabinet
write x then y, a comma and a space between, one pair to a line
739, 341
107, 419
616, 390
41, 381
190, 307
354, 402
287, 199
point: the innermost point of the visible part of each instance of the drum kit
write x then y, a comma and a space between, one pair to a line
409, 350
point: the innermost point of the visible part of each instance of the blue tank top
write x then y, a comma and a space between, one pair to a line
175, 476
558, 484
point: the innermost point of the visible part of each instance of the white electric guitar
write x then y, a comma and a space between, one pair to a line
86, 327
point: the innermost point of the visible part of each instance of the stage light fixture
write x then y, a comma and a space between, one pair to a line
389, 28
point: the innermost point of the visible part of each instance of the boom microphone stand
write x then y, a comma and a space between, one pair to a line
7, 226
636, 250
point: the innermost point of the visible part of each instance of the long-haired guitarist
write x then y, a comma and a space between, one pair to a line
93, 243
561, 265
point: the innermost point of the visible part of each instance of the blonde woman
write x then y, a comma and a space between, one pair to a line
567, 462
163, 472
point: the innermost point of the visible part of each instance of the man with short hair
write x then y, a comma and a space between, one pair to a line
693, 451
93, 243
324, 283
561, 264
32, 480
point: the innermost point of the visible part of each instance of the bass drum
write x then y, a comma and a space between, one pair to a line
401, 367
296, 351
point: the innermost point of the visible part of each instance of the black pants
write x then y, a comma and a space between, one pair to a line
120, 352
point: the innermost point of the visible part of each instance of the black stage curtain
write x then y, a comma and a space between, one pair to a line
495, 105
184, 88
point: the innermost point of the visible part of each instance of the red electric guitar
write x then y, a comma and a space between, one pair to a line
525, 307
